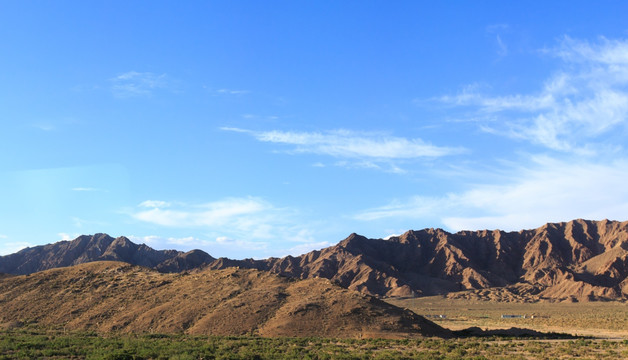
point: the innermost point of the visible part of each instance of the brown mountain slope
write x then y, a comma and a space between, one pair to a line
114, 296
578, 260
99, 247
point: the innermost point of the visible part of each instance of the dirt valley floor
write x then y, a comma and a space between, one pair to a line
601, 319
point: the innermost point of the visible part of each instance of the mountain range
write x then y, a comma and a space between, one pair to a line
100, 247
579, 260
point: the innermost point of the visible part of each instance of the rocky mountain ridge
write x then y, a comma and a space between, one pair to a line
579, 260
100, 247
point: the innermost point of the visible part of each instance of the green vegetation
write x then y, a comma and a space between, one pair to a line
31, 343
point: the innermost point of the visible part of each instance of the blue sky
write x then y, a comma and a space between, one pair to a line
256, 129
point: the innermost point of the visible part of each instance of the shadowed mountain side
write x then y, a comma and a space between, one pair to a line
99, 247
115, 296
578, 260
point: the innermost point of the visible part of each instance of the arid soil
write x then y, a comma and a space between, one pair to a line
119, 297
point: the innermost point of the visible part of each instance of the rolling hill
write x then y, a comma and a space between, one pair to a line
111, 296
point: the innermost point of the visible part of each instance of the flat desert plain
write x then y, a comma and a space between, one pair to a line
600, 319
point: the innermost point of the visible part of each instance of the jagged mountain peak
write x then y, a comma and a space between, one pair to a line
547, 260
352, 241
97, 247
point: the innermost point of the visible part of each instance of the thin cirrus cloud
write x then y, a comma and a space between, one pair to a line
155, 240
136, 84
587, 97
307, 247
67, 237
218, 213
235, 218
10, 247
86, 189
228, 242
225, 243
44, 126
352, 145
497, 29
551, 190
232, 92
154, 204
234, 223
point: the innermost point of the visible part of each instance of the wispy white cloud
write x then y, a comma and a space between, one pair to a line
67, 237
550, 190
54, 124
502, 48
232, 92
247, 217
262, 117
160, 241
386, 166
302, 243
307, 247
605, 51
239, 243
147, 239
586, 98
216, 213
348, 144
133, 84
415, 207
235, 226
80, 223
154, 204
85, 189
496, 30
192, 242
10, 247
44, 126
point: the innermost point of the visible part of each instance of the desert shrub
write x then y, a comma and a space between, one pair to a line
53, 344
